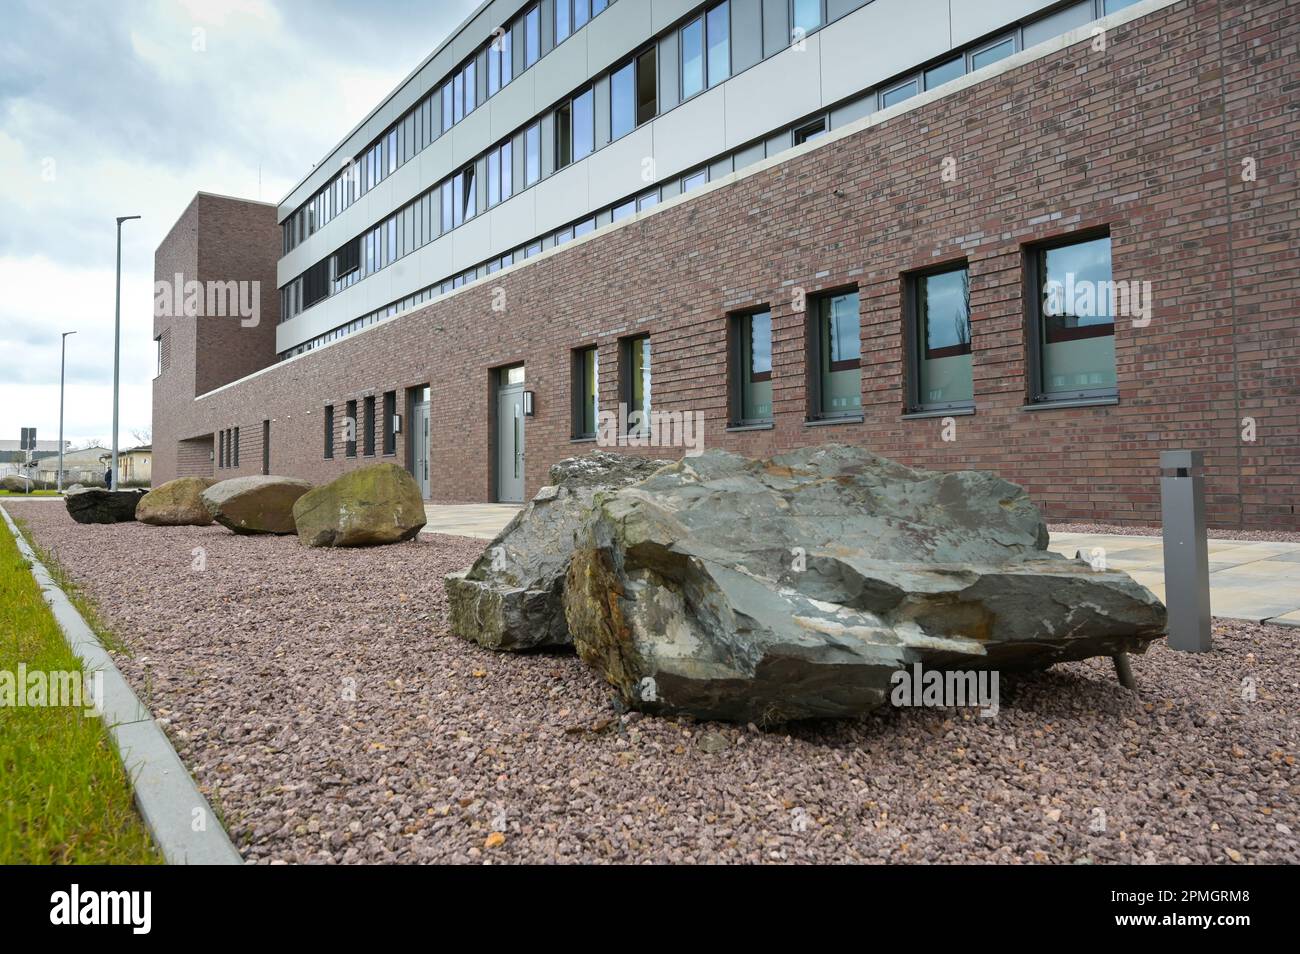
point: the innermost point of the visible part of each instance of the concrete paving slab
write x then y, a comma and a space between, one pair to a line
482, 521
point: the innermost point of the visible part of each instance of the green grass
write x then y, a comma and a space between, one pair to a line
64, 795
34, 493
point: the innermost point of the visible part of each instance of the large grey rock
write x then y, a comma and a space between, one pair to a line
17, 485
796, 587
368, 506
512, 597
255, 504
97, 505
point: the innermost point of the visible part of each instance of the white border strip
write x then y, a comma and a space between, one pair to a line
164, 792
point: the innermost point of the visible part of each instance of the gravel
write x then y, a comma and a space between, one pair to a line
446, 752
1123, 530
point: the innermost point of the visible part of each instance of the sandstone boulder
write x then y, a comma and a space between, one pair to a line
795, 587
97, 505
255, 504
15, 484
371, 505
177, 503
512, 597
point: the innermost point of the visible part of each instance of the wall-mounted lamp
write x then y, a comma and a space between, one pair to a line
396, 424
528, 403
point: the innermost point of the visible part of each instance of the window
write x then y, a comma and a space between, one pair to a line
500, 171
329, 431
939, 339
348, 258
751, 374
563, 136
636, 383
158, 369
584, 125
648, 201
350, 430
563, 21
500, 62
898, 93
624, 210
390, 413
471, 86
1114, 6
692, 58
581, 13
532, 36
1072, 309
719, 33
647, 86
695, 180
370, 426
810, 131
807, 15
532, 154
234, 447
448, 109
835, 346
992, 53
633, 94
938, 75
586, 392
585, 227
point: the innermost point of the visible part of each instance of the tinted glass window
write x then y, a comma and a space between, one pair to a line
692, 58
719, 32
622, 96
1077, 327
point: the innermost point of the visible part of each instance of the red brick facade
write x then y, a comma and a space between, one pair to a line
1149, 138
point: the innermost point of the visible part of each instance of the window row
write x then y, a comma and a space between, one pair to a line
1071, 345
368, 425
513, 48
227, 452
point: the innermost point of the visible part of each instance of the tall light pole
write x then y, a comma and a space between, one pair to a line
117, 343
63, 361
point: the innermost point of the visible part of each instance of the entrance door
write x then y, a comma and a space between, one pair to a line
510, 435
420, 447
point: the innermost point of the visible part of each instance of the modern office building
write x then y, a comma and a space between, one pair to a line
1045, 238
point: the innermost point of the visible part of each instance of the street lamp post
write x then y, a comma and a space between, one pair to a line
63, 361
117, 342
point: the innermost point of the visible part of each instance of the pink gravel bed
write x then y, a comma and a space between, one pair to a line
1123, 530
319, 700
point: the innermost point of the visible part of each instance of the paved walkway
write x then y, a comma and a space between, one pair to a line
1249, 579
483, 521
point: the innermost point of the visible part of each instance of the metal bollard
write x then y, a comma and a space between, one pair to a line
1187, 559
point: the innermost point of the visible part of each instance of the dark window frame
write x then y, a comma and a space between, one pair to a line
813, 355
329, 431
577, 389
913, 345
625, 383
737, 323
1031, 254
350, 414
390, 435
368, 433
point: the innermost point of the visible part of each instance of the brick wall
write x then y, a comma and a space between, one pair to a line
1146, 139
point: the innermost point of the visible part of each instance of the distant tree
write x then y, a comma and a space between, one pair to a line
142, 435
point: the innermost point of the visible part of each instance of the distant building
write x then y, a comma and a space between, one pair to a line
86, 465
135, 464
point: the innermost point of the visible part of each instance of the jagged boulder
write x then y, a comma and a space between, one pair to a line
512, 597
796, 587
365, 507
259, 504
16, 485
97, 505
177, 503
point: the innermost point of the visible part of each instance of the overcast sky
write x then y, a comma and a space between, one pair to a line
129, 107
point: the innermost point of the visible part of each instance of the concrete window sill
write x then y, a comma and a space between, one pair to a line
1082, 402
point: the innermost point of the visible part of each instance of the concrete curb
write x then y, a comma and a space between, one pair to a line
167, 797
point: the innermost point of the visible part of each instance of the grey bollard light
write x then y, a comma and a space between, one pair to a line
1187, 558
